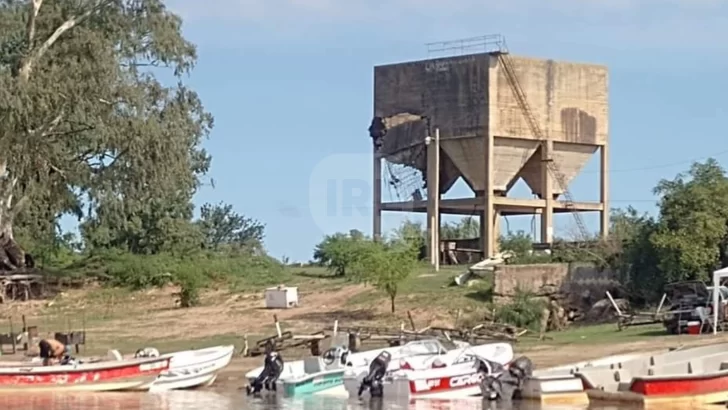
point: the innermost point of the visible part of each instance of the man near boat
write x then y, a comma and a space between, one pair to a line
52, 351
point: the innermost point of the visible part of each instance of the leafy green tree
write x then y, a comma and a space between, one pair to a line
519, 243
466, 228
385, 266
411, 233
340, 251
693, 224
83, 117
221, 225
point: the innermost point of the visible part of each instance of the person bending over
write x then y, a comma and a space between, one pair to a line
51, 351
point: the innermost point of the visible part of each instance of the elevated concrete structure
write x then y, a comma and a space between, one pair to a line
485, 138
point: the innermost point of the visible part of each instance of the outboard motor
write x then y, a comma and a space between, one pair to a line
272, 369
499, 383
373, 380
341, 352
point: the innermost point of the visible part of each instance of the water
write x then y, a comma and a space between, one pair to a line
209, 400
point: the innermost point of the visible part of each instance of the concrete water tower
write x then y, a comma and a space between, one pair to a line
500, 118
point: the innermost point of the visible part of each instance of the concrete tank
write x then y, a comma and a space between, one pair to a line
469, 99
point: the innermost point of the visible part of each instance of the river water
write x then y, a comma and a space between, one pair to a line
210, 400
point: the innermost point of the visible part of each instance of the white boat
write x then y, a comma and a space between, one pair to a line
193, 368
561, 384
456, 374
324, 375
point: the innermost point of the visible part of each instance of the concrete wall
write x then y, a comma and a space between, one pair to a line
574, 279
469, 98
569, 101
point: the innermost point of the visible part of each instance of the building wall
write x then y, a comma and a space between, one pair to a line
568, 100
549, 277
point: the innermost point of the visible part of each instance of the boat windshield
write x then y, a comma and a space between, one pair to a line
423, 347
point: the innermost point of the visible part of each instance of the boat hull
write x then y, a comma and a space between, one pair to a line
312, 384
682, 377
137, 375
193, 368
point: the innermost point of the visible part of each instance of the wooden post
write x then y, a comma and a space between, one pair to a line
12, 335
412, 322
246, 350
315, 349
83, 329
278, 326
25, 334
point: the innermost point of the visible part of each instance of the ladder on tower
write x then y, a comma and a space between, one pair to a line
507, 64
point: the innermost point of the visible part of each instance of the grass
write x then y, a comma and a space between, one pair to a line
600, 334
424, 286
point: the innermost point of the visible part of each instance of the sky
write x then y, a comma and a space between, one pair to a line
290, 85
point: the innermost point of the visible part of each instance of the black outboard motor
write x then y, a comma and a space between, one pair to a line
377, 370
330, 356
272, 369
499, 383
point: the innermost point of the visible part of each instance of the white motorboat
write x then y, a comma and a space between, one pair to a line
324, 375
456, 374
193, 368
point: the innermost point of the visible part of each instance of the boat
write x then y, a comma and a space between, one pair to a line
193, 368
457, 374
561, 386
132, 374
325, 374
686, 377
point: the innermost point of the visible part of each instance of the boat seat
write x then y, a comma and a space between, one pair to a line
624, 386
312, 365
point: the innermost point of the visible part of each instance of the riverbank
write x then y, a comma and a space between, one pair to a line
119, 319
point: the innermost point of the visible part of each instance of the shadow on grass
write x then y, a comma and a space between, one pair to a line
485, 295
316, 275
653, 332
340, 315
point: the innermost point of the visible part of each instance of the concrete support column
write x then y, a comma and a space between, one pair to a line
604, 191
377, 198
433, 199
487, 236
547, 216
496, 230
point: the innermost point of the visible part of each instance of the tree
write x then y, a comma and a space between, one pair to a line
519, 243
691, 235
340, 251
412, 234
220, 225
466, 228
84, 119
385, 266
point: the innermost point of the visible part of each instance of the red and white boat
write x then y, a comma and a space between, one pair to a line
697, 376
454, 375
134, 374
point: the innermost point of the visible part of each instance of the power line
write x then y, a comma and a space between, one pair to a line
660, 166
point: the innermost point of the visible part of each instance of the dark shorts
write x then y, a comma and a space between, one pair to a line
45, 349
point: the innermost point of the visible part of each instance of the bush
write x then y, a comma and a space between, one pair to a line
524, 311
190, 283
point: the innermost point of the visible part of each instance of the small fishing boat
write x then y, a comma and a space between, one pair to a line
687, 377
131, 374
325, 374
193, 368
560, 384
456, 374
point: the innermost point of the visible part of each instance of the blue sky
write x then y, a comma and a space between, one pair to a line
290, 85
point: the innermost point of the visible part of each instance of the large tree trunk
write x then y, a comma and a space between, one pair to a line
12, 256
